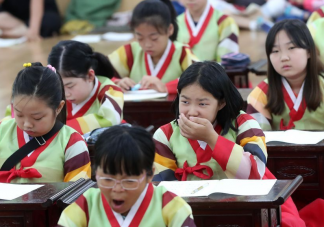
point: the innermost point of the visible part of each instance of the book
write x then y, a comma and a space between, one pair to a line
13, 191
294, 136
228, 186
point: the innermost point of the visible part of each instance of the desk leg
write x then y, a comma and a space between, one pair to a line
270, 218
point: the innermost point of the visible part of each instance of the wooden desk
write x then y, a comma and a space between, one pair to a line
229, 210
157, 112
286, 161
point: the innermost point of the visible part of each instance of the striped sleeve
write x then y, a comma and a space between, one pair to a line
77, 160
122, 60
165, 162
319, 13
257, 100
109, 113
175, 211
187, 58
247, 158
228, 33
76, 214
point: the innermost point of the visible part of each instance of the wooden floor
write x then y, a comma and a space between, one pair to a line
12, 59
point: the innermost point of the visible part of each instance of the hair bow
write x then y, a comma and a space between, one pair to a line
51, 68
27, 65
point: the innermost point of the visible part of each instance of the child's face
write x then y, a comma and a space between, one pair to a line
194, 5
287, 59
196, 102
151, 40
77, 90
33, 115
119, 199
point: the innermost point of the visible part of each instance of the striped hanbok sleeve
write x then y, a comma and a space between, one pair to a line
228, 33
76, 214
247, 158
175, 211
122, 60
165, 162
77, 160
187, 57
109, 113
319, 13
257, 100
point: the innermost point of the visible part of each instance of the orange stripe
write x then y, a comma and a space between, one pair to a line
168, 163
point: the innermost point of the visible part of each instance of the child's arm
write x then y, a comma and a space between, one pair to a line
164, 162
110, 111
247, 158
228, 33
76, 214
77, 160
35, 20
257, 100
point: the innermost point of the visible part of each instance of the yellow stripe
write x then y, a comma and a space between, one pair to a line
115, 93
255, 139
82, 172
83, 124
169, 163
73, 216
175, 211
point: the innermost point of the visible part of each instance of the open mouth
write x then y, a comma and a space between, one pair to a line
118, 203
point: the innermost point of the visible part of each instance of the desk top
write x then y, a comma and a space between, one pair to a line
288, 147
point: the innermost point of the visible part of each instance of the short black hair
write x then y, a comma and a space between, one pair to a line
74, 59
158, 13
43, 83
123, 149
212, 78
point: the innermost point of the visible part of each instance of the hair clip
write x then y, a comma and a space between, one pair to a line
51, 68
27, 65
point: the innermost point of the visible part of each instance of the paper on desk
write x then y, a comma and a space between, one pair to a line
114, 36
12, 42
294, 136
143, 95
87, 38
228, 186
12, 191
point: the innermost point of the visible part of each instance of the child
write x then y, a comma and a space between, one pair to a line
60, 153
208, 32
211, 137
292, 96
316, 28
30, 18
93, 100
156, 60
126, 196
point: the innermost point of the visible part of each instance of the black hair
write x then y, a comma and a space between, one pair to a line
300, 36
74, 59
158, 13
43, 83
123, 149
212, 78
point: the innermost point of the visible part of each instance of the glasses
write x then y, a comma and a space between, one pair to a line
127, 184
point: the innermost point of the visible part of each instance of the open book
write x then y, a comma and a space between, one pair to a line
294, 136
143, 95
12, 191
228, 186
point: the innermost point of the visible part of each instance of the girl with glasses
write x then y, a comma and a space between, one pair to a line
126, 196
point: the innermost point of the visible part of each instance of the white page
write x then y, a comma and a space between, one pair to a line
87, 38
114, 36
12, 191
143, 95
12, 42
295, 136
228, 186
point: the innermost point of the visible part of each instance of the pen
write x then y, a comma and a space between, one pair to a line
198, 189
136, 87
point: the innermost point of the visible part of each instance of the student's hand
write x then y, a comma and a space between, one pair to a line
33, 36
197, 128
126, 84
152, 82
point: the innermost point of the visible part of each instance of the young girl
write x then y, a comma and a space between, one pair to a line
156, 60
208, 31
60, 153
126, 197
211, 137
93, 100
292, 96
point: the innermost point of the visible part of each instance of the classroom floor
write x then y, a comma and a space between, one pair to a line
12, 58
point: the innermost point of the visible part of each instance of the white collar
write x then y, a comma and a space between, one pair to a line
195, 29
155, 70
297, 101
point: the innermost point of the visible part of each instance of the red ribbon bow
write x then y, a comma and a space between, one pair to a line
7, 176
197, 170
